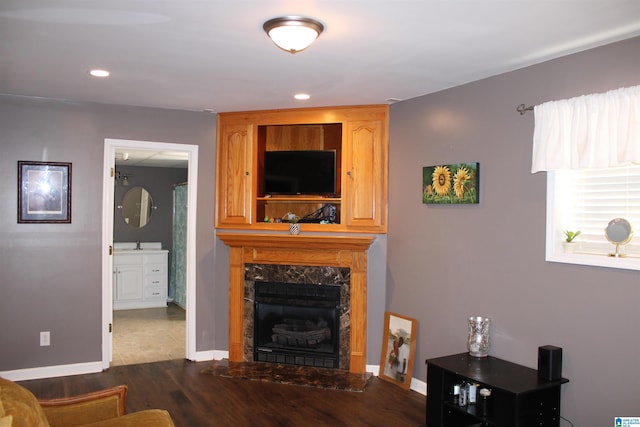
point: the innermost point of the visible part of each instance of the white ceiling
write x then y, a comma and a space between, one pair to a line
213, 54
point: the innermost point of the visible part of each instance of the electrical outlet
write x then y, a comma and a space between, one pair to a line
45, 339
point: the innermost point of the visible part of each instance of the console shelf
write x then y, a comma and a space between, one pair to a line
519, 397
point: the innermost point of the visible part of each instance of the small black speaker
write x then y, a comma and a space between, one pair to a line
550, 362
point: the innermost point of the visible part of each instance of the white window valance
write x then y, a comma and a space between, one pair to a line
591, 131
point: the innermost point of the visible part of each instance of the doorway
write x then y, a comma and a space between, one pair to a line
159, 154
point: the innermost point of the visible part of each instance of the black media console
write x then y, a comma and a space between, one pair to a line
519, 397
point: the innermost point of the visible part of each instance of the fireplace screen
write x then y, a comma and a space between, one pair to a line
297, 324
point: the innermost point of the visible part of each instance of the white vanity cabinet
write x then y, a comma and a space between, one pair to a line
139, 279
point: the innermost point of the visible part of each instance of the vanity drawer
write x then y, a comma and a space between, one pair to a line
153, 292
152, 281
155, 258
155, 269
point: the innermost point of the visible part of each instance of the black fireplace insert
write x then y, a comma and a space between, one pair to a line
297, 324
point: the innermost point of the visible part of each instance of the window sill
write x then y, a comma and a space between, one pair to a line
627, 262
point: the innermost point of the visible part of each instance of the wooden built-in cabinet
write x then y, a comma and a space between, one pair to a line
359, 136
234, 174
364, 189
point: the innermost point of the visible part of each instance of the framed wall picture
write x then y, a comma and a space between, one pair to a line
451, 184
44, 192
398, 349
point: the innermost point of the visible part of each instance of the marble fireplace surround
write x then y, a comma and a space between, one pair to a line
249, 250
302, 274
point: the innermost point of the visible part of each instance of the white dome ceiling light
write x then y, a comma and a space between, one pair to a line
293, 33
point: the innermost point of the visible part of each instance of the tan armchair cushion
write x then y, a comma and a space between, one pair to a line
146, 418
104, 408
22, 405
85, 408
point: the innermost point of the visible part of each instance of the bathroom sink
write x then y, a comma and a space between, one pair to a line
133, 246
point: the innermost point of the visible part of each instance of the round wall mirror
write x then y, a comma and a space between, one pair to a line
618, 232
137, 206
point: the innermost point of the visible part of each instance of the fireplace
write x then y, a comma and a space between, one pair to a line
297, 324
300, 302
330, 257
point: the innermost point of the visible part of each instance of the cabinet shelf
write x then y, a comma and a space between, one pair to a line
301, 206
300, 199
469, 410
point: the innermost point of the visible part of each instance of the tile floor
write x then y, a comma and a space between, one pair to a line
148, 335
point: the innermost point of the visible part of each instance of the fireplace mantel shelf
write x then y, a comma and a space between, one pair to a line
290, 241
308, 249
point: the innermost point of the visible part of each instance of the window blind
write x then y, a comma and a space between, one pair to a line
596, 196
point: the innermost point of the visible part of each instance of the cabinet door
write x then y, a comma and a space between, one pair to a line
435, 396
128, 283
364, 175
234, 175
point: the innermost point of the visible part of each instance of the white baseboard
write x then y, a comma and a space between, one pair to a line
416, 385
220, 354
203, 356
52, 371
374, 369
86, 368
419, 386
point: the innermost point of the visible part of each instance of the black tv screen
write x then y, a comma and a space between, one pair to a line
300, 172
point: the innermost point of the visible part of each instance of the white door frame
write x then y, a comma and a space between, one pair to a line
110, 147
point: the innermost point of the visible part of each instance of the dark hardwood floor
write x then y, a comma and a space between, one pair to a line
195, 399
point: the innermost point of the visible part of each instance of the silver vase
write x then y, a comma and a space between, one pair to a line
478, 340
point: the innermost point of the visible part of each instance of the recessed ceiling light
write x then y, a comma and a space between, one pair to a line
99, 73
301, 96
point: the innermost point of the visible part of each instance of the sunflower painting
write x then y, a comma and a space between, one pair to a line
451, 184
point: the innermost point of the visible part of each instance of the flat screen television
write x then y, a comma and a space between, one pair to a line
300, 172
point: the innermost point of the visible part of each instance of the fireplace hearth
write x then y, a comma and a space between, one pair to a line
297, 324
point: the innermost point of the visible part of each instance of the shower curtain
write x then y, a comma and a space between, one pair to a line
177, 281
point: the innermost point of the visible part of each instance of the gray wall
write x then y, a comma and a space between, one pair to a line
446, 263
50, 274
439, 264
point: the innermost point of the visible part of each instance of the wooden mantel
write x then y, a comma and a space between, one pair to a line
312, 250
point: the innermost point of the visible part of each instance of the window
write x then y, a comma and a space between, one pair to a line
586, 200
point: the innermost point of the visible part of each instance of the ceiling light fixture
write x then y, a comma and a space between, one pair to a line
301, 96
293, 33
